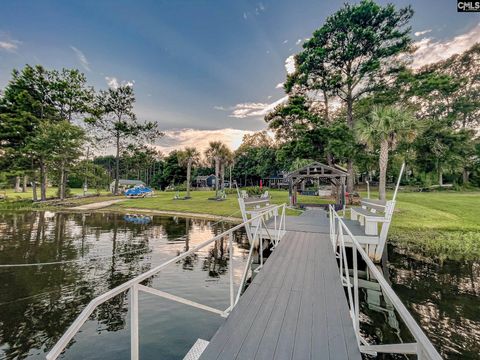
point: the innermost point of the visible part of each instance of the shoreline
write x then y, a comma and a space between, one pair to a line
191, 215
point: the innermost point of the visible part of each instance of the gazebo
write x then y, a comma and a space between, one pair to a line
317, 171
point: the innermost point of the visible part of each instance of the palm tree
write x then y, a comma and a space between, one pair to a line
189, 157
386, 125
214, 153
226, 159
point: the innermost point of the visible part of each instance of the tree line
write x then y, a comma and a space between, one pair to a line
354, 100
48, 120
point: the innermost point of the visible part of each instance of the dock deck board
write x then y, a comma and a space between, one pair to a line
295, 308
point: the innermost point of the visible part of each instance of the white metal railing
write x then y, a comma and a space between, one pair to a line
423, 348
256, 229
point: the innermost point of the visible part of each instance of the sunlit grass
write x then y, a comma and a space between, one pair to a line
445, 224
199, 203
10, 194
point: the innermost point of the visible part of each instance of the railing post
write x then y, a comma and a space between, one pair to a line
420, 354
340, 233
230, 249
355, 290
260, 239
134, 353
275, 221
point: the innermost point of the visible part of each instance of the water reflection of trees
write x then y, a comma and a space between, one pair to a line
38, 303
443, 297
216, 263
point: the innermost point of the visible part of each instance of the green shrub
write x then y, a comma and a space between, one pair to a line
255, 190
181, 187
231, 191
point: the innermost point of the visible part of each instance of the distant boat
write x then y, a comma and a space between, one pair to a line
138, 192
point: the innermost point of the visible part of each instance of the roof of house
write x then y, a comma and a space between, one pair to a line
318, 170
204, 177
128, 182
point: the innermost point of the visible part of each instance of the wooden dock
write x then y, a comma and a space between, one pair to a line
296, 307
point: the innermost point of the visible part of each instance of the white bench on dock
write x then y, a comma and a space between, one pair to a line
366, 220
369, 217
252, 207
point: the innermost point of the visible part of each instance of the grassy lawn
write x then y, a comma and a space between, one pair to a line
23, 201
442, 223
51, 193
199, 203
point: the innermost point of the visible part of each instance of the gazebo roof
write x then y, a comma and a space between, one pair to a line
318, 170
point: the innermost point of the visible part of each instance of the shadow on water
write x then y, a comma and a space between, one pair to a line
443, 297
83, 256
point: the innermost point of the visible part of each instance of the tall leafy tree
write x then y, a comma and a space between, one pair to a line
214, 153
255, 158
171, 172
352, 53
117, 123
189, 157
56, 143
464, 71
25, 103
70, 94
73, 99
442, 149
386, 126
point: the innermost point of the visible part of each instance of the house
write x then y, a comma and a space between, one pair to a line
277, 181
124, 184
205, 181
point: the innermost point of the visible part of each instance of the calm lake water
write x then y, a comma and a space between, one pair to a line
84, 255
38, 303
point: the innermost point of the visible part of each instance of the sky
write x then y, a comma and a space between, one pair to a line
203, 69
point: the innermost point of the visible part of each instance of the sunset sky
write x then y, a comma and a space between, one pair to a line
203, 69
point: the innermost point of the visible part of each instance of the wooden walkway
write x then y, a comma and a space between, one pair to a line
295, 308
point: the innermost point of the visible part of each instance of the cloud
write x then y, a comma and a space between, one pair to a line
10, 45
290, 64
420, 33
429, 50
259, 8
255, 110
7, 43
113, 82
258, 109
179, 139
82, 58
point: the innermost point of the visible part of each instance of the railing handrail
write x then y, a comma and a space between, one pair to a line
99, 300
412, 325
